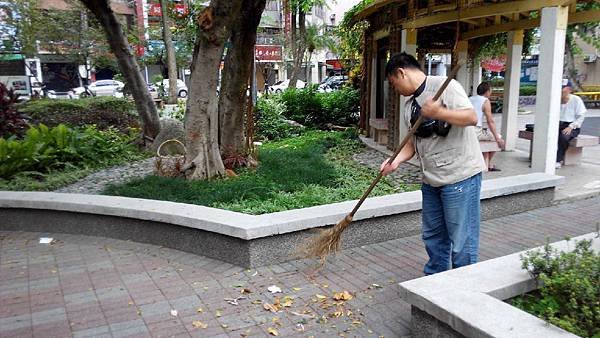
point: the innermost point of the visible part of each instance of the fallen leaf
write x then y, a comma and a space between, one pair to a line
356, 322
224, 326
270, 307
296, 289
287, 301
246, 290
218, 313
325, 285
274, 289
174, 313
375, 286
199, 310
370, 331
272, 331
199, 325
337, 314
256, 301
345, 295
276, 321
130, 303
321, 297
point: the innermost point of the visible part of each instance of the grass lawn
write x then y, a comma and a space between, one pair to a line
313, 169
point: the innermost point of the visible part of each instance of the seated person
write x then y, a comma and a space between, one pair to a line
572, 114
483, 106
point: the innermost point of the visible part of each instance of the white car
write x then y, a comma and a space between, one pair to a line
281, 86
101, 88
182, 89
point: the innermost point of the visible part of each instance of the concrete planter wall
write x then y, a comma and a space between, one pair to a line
249, 240
468, 302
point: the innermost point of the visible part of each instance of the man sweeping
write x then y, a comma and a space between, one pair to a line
446, 145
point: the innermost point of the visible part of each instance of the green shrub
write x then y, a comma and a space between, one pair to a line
340, 107
301, 103
528, 90
269, 121
104, 112
314, 109
569, 288
44, 150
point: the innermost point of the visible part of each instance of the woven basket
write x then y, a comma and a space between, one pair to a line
169, 165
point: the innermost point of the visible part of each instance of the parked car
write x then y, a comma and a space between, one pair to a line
281, 86
100, 88
182, 89
332, 83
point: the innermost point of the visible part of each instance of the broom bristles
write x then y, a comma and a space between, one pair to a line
328, 241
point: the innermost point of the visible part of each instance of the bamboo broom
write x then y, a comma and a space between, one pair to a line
328, 241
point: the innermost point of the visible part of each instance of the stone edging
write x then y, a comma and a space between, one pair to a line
249, 227
469, 301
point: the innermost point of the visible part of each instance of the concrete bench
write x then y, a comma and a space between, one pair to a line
378, 130
575, 150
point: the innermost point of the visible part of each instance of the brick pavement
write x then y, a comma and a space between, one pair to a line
85, 286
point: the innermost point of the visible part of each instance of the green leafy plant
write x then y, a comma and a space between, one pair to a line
103, 112
269, 121
569, 288
311, 108
43, 150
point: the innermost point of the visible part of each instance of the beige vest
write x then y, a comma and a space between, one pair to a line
455, 157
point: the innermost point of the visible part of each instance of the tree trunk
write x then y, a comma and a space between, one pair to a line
171, 61
128, 66
203, 159
309, 68
235, 76
570, 67
298, 45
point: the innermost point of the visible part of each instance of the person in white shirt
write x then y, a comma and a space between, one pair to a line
572, 114
483, 106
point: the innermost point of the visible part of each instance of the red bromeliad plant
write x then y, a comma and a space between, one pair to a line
11, 121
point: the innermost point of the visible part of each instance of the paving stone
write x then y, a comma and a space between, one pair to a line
98, 292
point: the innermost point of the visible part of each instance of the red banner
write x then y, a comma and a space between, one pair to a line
265, 53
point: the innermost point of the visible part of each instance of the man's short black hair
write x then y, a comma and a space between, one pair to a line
401, 60
483, 88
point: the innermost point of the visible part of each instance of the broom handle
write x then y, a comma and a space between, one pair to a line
410, 133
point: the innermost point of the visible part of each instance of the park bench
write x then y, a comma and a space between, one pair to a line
590, 99
573, 155
379, 130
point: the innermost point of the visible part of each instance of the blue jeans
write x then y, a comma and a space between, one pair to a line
451, 216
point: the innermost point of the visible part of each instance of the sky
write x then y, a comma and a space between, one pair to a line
339, 7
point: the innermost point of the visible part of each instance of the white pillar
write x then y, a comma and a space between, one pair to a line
463, 73
408, 44
547, 109
512, 82
476, 76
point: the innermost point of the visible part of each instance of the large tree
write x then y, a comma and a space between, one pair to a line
171, 60
235, 78
203, 159
128, 66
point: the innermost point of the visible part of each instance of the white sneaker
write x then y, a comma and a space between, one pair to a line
558, 165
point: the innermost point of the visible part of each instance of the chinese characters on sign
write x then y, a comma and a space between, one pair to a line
264, 53
179, 9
